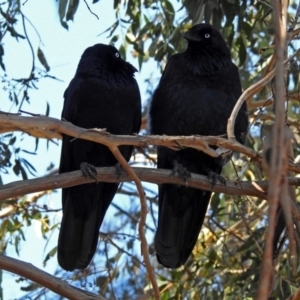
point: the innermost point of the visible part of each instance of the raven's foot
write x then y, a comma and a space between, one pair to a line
88, 170
214, 177
180, 170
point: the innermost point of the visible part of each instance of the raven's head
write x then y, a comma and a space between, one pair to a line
101, 60
208, 48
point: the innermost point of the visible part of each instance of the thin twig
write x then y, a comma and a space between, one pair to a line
90, 10
129, 215
252, 90
32, 53
29, 113
295, 20
144, 245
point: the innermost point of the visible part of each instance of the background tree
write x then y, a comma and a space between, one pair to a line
227, 259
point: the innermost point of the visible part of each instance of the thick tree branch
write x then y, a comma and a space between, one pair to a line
45, 127
278, 153
50, 128
52, 283
158, 176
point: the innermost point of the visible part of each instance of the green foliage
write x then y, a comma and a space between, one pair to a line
227, 258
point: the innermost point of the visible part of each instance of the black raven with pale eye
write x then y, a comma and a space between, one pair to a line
103, 94
196, 95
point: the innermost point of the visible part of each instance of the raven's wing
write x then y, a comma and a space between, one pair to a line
89, 104
187, 107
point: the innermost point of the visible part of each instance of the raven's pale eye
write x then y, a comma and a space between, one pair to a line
207, 35
117, 54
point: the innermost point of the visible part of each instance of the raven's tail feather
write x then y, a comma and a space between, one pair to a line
181, 215
78, 239
79, 232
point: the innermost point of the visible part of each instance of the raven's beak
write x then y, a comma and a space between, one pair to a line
192, 36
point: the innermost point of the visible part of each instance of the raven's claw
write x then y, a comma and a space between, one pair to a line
88, 170
214, 177
180, 170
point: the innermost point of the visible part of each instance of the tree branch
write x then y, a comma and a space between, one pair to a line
144, 245
158, 176
50, 128
52, 283
278, 153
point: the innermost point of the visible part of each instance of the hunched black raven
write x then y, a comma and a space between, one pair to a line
103, 94
195, 95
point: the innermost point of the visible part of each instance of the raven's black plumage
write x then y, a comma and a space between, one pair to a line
103, 94
196, 95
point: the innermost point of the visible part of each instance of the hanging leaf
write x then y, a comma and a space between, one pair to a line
50, 254
242, 50
62, 12
72, 8
42, 59
47, 109
168, 11
1, 57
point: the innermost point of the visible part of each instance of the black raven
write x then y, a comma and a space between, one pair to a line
196, 94
103, 94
